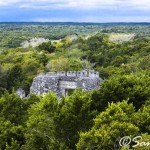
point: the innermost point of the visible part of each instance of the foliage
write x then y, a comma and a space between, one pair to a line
47, 46
109, 127
83, 120
40, 123
60, 64
74, 115
12, 120
134, 87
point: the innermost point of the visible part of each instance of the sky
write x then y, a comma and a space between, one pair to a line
100, 11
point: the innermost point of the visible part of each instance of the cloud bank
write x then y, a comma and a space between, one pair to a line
75, 11
82, 4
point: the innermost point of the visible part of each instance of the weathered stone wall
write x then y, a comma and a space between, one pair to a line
60, 82
21, 93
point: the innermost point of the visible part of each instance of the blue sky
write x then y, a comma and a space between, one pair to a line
75, 11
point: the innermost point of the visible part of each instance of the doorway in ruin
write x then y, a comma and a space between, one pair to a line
69, 92
67, 87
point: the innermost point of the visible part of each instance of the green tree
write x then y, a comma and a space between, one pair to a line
109, 127
40, 125
142, 119
14, 77
75, 115
12, 120
60, 64
134, 87
12, 108
14, 145
9, 131
47, 46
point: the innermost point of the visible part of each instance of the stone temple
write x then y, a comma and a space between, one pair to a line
63, 82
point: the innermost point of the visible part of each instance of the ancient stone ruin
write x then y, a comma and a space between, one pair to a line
21, 93
62, 82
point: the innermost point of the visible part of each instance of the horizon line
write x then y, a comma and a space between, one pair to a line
70, 22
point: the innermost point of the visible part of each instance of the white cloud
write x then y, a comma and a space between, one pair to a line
141, 4
82, 4
8, 2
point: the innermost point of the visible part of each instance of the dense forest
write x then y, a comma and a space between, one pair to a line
94, 120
